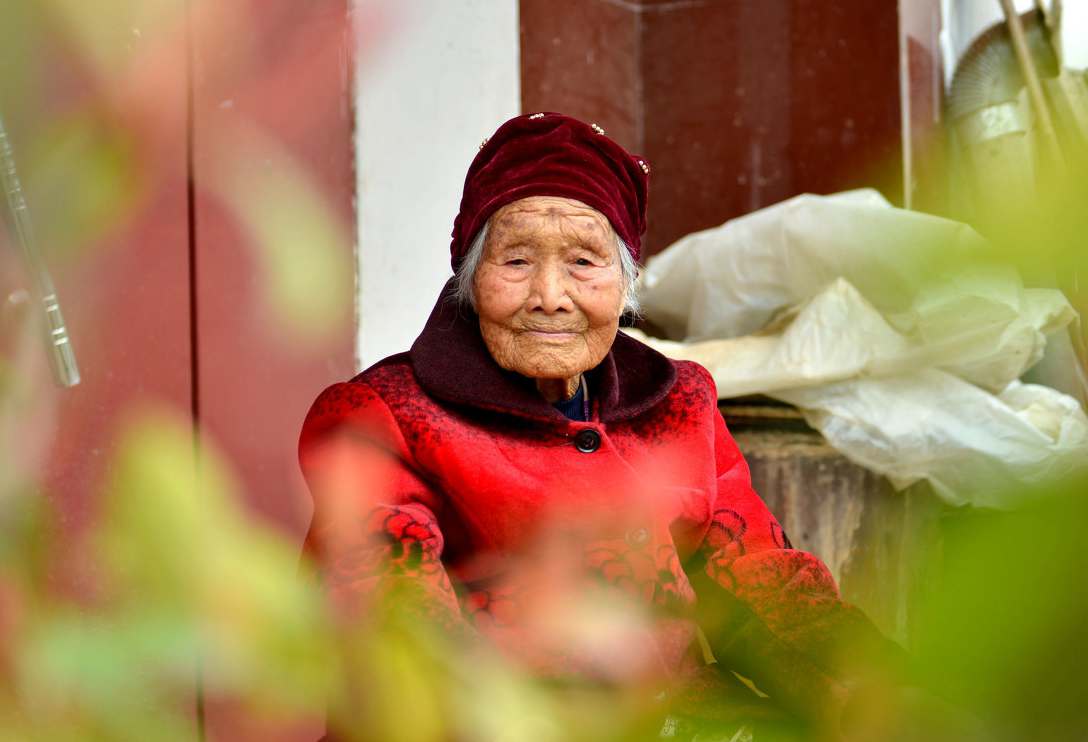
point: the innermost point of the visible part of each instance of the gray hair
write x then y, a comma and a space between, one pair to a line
465, 277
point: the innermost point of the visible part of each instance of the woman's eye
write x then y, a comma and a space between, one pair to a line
583, 261
517, 261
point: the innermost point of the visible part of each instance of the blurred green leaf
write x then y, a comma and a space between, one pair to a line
82, 180
301, 245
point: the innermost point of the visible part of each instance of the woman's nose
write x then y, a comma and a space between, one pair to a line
549, 290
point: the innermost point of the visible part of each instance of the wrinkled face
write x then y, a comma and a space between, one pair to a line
549, 287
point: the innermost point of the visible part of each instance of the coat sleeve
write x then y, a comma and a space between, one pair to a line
773, 611
375, 527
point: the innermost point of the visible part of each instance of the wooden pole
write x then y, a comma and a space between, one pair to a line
1031, 80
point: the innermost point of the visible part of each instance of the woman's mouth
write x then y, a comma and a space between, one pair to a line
552, 334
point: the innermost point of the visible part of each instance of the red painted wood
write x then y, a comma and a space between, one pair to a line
272, 105
582, 59
272, 98
737, 105
95, 106
272, 101
109, 124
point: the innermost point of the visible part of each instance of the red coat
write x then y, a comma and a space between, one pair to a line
471, 484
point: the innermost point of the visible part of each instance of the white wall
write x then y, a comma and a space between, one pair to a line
1075, 34
435, 78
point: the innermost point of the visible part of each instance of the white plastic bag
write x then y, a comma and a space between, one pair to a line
731, 280
973, 447
884, 326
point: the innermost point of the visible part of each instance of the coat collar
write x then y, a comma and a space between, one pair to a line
452, 363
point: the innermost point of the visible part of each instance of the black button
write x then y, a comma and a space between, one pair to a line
587, 440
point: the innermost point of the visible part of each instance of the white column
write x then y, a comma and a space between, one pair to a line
435, 77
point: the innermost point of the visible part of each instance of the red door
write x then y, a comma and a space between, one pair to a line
188, 172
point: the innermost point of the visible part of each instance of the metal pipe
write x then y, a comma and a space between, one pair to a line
59, 346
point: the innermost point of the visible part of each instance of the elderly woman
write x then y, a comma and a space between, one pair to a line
524, 429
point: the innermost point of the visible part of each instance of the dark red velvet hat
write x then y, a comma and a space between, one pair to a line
549, 154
